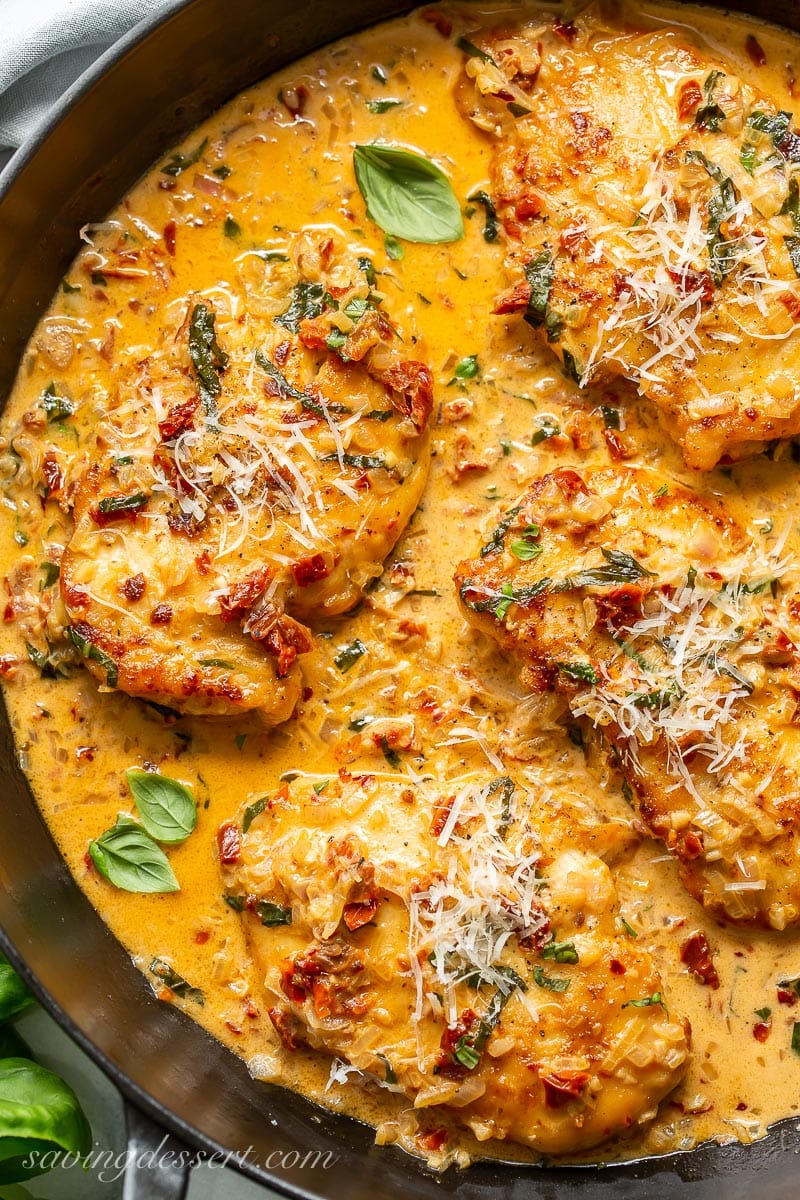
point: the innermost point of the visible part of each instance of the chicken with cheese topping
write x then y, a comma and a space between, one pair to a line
651, 205
247, 477
461, 946
647, 608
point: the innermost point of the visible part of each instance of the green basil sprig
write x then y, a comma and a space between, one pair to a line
407, 195
128, 857
39, 1116
166, 807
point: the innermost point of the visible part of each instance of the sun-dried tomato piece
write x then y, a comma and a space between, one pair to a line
696, 953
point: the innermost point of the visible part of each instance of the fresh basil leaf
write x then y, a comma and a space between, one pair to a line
12, 1045
407, 195
175, 982
252, 811
166, 807
710, 116
474, 51
497, 536
792, 244
231, 228
51, 572
622, 568
40, 1116
128, 857
14, 995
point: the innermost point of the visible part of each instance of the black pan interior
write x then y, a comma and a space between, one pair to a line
141, 98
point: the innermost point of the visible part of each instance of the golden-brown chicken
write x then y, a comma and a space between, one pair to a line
647, 607
651, 205
247, 477
445, 943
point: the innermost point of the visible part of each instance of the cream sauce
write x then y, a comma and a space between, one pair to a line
75, 743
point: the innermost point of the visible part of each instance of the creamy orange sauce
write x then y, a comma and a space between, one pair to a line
76, 742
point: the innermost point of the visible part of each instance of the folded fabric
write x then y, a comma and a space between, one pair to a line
44, 47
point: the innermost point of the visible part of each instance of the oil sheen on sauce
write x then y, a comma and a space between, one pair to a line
76, 743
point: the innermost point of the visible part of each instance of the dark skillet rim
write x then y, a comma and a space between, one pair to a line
166, 1118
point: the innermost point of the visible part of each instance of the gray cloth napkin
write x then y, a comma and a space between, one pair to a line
44, 46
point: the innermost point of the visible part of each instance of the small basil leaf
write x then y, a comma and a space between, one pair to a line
14, 995
167, 808
407, 195
129, 858
39, 1116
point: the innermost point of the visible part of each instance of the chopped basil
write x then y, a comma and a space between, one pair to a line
474, 51
368, 267
208, 358
661, 698
217, 662
273, 914
362, 462
527, 547
231, 228
359, 723
406, 195
306, 301
379, 73
240, 740
491, 227
51, 572
631, 932
237, 903
57, 408
129, 858
792, 243
764, 1013
252, 811
580, 672
387, 1066
561, 952
646, 1001
382, 106
167, 808
795, 1043
222, 171
391, 756
69, 288
497, 537
88, 650
505, 786
622, 568
500, 602
721, 204
394, 249
349, 655
710, 116
179, 162
41, 660
271, 255
175, 982
287, 392
547, 428
320, 787
115, 504
466, 368
539, 273
551, 982
466, 1054
610, 416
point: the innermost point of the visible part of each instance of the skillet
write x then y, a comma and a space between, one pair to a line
180, 1084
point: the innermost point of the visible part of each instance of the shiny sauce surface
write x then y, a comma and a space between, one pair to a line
266, 169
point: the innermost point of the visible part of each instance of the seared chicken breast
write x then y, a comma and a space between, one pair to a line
650, 201
665, 629
249, 476
459, 945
